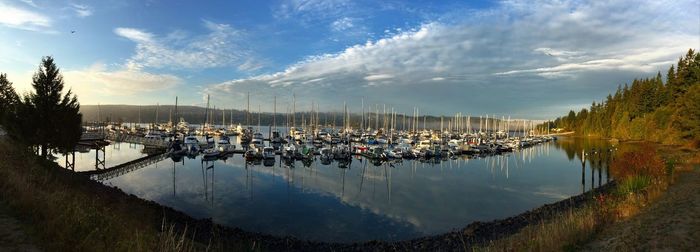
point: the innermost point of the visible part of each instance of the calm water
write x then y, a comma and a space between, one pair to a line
367, 201
114, 154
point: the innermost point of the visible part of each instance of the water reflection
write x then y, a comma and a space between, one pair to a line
359, 199
88, 159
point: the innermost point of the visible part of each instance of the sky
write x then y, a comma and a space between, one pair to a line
525, 59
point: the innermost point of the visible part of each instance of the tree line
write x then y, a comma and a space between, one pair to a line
648, 109
44, 118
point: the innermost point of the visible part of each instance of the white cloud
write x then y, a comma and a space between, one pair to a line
82, 10
342, 24
250, 65
639, 60
19, 18
135, 35
30, 3
378, 77
309, 10
97, 80
560, 55
218, 48
504, 52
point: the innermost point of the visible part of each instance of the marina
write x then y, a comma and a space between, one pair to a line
296, 125
377, 175
366, 196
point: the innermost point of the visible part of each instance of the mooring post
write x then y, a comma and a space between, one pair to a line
600, 169
583, 171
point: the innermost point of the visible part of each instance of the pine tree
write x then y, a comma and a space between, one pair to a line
8, 99
688, 115
56, 117
648, 109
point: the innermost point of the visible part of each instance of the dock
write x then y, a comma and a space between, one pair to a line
150, 142
118, 170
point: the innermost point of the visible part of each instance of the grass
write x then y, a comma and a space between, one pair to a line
572, 230
63, 212
633, 184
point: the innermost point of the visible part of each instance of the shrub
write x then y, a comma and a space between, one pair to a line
642, 162
633, 184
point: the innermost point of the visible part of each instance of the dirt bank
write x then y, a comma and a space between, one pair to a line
670, 224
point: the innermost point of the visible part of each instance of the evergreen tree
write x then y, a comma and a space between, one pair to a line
688, 115
648, 109
8, 99
54, 115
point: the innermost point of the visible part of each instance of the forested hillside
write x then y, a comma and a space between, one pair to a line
649, 109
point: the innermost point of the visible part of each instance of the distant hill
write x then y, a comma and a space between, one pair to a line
148, 113
196, 115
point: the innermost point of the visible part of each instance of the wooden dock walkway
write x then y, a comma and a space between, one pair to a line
158, 143
116, 171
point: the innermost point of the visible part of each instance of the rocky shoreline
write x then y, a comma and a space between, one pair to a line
477, 233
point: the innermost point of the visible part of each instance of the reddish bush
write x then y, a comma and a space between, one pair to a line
642, 162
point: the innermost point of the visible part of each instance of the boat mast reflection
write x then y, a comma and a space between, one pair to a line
208, 182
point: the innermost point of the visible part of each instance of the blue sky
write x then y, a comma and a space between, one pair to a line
525, 59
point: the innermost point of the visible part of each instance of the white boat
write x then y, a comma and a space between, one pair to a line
191, 140
224, 140
257, 143
326, 152
154, 134
183, 126
268, 153
424, 144
252, 154
290, 151
395, 153
210, 139
276, 137
211, 153
191, 143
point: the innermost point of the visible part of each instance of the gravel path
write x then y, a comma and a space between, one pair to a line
670, 224
12, 235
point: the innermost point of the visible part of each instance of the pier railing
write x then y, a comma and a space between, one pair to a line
137, 140
116, 171
92, 136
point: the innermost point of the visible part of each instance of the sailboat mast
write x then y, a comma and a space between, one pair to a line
294, 110
206, 114
247, 111
362, 124
157, 105
259, 112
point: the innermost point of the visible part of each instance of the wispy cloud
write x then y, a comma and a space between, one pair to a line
19, 18
135, 35
218, 48
497, 53
82, 10
98, 81
309, 10
342, 24
29, 2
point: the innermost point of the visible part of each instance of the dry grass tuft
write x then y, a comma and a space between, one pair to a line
65, 215
643, 178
